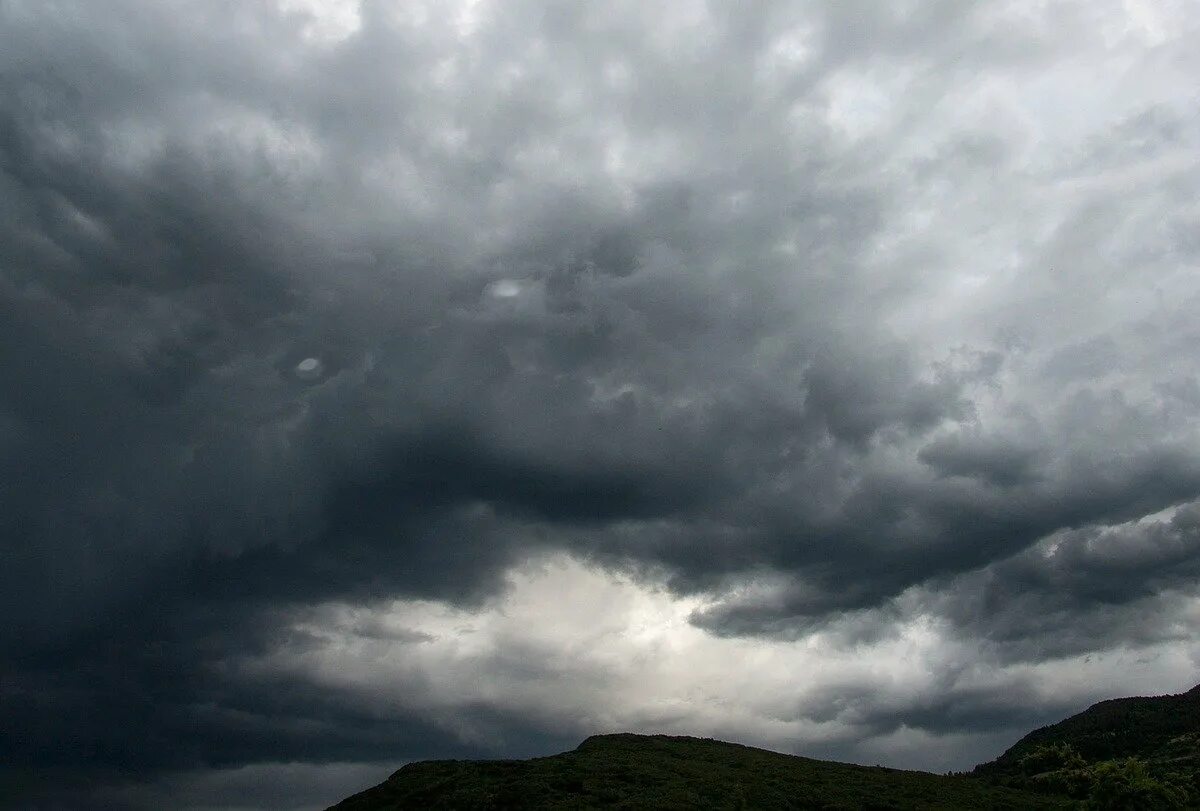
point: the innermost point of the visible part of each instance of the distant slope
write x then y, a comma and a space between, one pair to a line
1159, 730
1127, 753
656, 771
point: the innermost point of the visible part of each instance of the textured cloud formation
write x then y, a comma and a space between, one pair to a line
823, 323
642, 665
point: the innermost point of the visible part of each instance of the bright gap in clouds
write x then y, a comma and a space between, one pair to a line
573, 649
327, 22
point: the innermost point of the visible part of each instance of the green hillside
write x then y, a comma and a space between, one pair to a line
656, 771
1146, 749
1162, 728
1127, 753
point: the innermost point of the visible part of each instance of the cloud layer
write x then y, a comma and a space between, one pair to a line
813, 327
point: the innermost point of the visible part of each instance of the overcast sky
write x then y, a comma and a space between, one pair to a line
382, 381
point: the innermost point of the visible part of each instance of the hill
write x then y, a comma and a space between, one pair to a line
1156, 729
1126, 753
1143, 744
656, 771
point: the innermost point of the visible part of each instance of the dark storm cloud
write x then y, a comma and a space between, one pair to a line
1082, 589
621, 283
943, 707
999, 462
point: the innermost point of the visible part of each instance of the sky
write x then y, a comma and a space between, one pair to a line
383, 381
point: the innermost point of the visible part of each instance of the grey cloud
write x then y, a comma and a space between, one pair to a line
616, 282
1081, 590
270, 786
943, 707
1000, 462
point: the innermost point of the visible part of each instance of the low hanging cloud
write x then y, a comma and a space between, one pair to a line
810, 326
642, 664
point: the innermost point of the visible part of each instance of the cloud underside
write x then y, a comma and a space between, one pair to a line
828, 336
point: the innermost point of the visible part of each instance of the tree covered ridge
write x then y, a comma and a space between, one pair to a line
659, 771
1127, 753
1141, 752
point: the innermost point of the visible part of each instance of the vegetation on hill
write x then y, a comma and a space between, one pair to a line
1158, 728
1124, 753
1129, 753
656, 771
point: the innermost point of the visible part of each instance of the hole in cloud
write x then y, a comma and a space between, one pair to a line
505, 288
309, 369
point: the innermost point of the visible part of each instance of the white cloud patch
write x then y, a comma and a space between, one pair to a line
326, 22
571, 648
